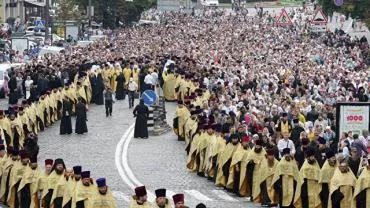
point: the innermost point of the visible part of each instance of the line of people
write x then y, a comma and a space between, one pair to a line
140, 200
250, 166
25, 184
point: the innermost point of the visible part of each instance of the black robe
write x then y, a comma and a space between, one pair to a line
81, 118
299, 157
58, 202
304, 194
141, 82
236, 181
324, 195
249, 174
80, 204
25, 199
361, 199
99, 89
47, 199
226, 170
141, 112
13, 98
120, 90
279, 189
65, 122
354, 165
336, 198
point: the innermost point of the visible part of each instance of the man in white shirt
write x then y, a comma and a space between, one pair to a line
28, 84
154, 75
286, 143
132, 88
148, 80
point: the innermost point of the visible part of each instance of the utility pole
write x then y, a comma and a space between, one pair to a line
89, 13
47, 20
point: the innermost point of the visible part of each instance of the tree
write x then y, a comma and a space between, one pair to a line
109, 12
359, 9
68, 10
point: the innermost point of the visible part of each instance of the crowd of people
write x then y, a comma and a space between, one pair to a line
256, 109
258, 112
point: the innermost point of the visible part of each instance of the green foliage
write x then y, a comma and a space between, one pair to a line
354, 8
328, 7
110, 11
67, 10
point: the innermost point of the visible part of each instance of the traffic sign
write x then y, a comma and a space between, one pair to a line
338, 2
39, 24
319, 18
283, 19
149, 97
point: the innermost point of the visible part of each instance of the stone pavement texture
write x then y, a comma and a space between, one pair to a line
160, 162
156, 162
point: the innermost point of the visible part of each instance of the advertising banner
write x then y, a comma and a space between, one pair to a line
354, 118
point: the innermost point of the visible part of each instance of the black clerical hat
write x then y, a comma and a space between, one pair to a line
160, 192
286, 151
310, 152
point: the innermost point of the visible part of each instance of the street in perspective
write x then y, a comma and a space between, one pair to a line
184, 103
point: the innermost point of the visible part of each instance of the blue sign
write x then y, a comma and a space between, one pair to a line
149, 97
39, 24
338, 2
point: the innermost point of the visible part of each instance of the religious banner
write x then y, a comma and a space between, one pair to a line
354, 118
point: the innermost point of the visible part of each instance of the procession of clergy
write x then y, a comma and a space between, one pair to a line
250, 166
24, 182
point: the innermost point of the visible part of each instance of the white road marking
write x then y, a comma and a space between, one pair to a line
196, 194
120, 196
222, 195
124, 157
121, 159
128, 177
118, 156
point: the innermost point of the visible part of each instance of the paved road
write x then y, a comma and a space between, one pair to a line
160, 162
156, 162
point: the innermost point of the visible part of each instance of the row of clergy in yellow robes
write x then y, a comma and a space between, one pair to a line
177, 87
25, 184
110, 74
35, 116
256, 173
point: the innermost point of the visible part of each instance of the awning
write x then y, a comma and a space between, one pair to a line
35, 3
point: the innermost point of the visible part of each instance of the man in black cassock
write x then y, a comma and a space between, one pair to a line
81, 117
300, 151
354, 161
321, 151
296, 132
141, 112
120, 89
65, 122
99, 89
